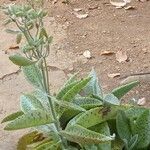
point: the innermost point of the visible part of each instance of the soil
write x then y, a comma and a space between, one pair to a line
105, 29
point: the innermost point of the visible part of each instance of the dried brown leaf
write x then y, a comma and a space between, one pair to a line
107, 53
81, 16
121, 56
113, 75
141, 101
14, 47
118, 4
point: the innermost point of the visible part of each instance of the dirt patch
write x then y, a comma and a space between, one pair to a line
105, 29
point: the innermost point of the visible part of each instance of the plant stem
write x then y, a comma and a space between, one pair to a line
53, 111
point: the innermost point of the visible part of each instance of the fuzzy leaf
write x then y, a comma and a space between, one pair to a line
93, 86
111, 99
12, 116
33, 75
102, 128
68, 105
132, 143
87, 102
65, 89
29, 102
123, 126
71, 79
120, 91
97, 115
49, 130
81, 135
42, 97
31, 119
20, 60
142, 129
76, 89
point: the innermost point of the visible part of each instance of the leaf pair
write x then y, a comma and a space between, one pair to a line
70, 90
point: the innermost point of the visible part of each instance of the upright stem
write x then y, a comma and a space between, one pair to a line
44, 70
53, 111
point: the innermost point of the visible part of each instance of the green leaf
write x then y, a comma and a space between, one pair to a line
87, 102
123, 126
97, 115
12, 31
43, 33
93, 86
102, 128
49, 130
134, 112
12, 116
20, 60
71, 79
65, 89
30, 119
132, 143
50, 39
81, 135
42, 97
33, 75
120, 91
29, 102
19, 38
8, 21
76, 89
111, 99
142, 129
68, 105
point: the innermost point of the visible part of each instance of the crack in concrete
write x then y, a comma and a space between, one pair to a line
10, 74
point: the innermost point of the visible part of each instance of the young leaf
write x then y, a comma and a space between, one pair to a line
76, 89
7, 21
12, 31
81, 135
43, 33
120, 91
111, 99
33, 75
19, 38
12, 116
93, 86
142, 129
20, 60
29, 102
30, 119
123, 126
